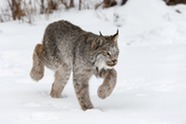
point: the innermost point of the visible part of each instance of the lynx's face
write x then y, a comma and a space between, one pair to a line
108, 52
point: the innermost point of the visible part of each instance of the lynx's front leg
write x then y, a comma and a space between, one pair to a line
110, 77
82, 90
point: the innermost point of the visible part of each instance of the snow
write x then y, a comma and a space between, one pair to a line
151, 86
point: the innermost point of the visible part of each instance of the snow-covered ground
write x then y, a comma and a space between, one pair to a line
151, 87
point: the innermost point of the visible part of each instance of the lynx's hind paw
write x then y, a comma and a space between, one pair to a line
37, 71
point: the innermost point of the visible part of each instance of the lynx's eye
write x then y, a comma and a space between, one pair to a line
108, 53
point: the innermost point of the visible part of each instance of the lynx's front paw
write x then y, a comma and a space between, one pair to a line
108, 85
86, 106
104, 91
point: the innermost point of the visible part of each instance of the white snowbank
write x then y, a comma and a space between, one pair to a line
151, 87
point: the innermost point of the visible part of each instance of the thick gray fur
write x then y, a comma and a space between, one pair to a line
67, 48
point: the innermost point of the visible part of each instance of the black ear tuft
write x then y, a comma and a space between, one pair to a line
100, 33
115, 36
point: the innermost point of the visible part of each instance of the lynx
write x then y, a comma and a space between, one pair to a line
65, 48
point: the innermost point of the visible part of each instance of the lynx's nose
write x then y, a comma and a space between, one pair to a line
114, 61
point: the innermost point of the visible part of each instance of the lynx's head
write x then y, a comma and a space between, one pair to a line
106, 51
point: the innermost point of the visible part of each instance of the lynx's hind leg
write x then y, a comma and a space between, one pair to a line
37, 71
61, 78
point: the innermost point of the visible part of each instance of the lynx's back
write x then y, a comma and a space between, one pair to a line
59, 40
61, 31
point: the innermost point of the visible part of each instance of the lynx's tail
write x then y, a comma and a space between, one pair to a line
37, 71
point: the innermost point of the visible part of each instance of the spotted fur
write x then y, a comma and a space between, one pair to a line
67, 48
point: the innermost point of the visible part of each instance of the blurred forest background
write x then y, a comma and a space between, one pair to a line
26, 10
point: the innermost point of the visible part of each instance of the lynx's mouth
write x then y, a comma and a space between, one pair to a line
112, 63
106, 65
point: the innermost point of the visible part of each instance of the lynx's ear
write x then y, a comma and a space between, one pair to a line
115, 36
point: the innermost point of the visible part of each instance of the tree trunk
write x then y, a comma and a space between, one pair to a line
174, 2
109, 3
80, 2
71, 3
42, 7
15, 6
